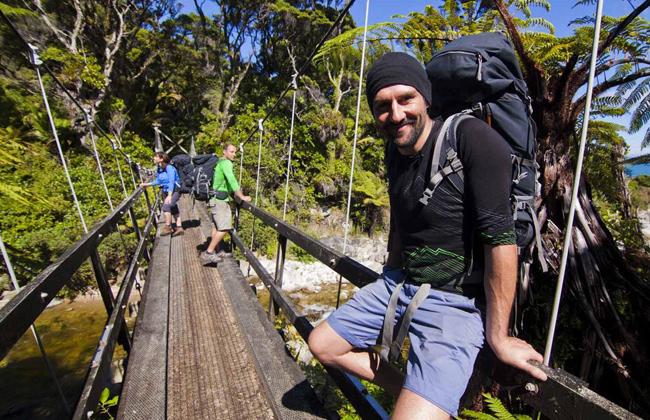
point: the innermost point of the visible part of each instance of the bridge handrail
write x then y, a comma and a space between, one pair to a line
562, 395
100, 364
351, 387
353, 271
21, 312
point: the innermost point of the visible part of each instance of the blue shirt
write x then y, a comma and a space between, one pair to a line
167, 178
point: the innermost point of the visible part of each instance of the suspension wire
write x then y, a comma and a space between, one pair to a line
260, 125
305, 65
241, 161
346, 226
37, 337
576, 184
130, 163
293, 114
119, 169
36, 61
99, 163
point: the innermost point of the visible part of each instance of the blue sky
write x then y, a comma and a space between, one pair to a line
562, 12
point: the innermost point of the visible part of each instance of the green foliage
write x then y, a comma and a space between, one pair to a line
75, 66
497, 411
640, 192
105, 406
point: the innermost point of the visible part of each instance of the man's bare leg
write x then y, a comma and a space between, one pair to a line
411, 406
216, 236
332, 350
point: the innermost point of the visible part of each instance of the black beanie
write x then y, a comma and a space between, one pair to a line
396, 68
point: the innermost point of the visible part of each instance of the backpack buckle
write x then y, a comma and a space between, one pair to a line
478, 110
426, 196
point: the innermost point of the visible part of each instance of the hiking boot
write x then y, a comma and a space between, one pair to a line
207, 259
224, 254
179, 231
166, 230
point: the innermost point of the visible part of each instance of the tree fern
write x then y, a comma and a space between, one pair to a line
640, 92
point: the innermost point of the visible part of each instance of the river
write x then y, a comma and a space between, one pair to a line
69, 332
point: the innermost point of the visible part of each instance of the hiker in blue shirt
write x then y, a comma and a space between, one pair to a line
169, 181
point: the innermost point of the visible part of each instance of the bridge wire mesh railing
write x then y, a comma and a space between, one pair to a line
32, 300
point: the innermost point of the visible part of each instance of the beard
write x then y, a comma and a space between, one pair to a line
390, 132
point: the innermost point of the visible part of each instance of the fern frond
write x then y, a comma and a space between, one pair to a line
640, 91
640, 116
348, 38
13, 11
476, 415
496, 406
646, 139
541, 22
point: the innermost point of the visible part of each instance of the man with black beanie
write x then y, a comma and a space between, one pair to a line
451, 264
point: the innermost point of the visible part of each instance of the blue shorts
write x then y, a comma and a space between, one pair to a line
446, 334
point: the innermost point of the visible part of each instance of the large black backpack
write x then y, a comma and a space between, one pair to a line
478, 76
202, 176
183, 164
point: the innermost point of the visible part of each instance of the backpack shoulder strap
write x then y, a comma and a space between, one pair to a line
452, 163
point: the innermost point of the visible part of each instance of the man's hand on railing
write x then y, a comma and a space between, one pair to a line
238, 194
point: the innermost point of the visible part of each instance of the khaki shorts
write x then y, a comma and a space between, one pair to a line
221, 215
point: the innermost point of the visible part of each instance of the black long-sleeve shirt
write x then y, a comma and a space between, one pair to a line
438, 241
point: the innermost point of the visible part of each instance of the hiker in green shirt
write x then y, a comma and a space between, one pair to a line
224, 184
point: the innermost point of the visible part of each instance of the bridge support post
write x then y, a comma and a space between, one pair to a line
108, 298
279, 271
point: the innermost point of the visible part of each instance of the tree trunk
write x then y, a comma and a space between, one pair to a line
596, 267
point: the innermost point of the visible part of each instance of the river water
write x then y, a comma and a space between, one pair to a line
69, 332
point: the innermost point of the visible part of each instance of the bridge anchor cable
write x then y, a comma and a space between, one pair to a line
346, 226
36, 62
568, 234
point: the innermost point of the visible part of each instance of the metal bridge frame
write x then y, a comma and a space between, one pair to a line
21, 312
561, 396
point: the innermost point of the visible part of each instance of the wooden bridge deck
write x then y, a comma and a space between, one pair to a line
203, 347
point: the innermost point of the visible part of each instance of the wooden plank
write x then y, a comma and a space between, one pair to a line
211, 373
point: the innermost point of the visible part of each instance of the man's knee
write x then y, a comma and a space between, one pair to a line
324, 343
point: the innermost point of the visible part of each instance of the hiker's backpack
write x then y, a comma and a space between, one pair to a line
479, 76
202, 176
183, 164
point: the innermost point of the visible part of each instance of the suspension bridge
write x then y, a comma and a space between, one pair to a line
202, 345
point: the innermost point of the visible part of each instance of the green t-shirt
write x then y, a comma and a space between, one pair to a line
224, 178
